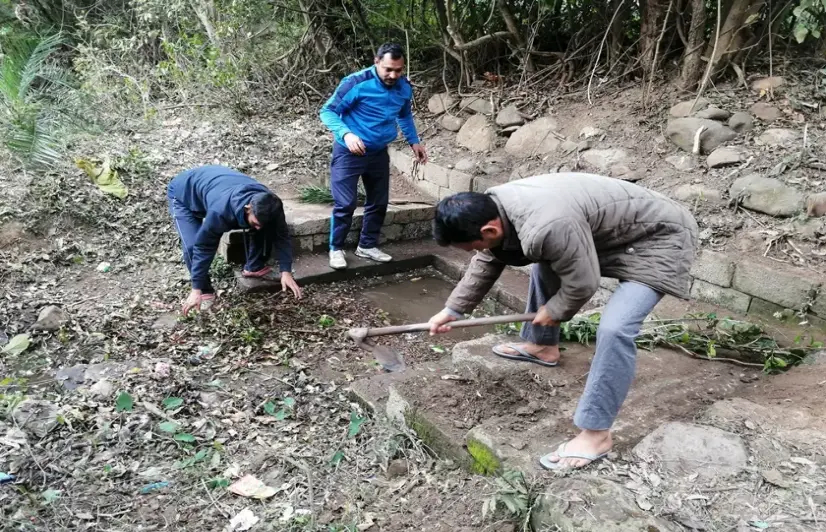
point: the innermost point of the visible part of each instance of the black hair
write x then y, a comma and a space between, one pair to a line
267, 208
395, 50
460, 218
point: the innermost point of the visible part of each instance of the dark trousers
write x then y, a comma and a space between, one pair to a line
187, 225
345, 170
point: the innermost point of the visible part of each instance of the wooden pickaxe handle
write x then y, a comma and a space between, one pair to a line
477, 322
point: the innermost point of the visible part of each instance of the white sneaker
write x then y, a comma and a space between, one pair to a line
337, 260
373, 254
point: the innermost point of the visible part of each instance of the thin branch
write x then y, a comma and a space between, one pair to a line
599, 52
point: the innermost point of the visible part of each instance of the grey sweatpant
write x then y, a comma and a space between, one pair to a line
613, 366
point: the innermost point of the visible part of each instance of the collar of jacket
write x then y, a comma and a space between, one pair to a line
510, 242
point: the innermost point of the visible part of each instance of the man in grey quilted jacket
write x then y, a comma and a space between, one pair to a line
574, 228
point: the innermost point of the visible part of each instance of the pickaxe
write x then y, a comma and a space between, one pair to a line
392, 361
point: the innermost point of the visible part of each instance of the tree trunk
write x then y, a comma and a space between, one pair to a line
316, 32
650, 29
733, 33
513, 28
616, 31
692, 68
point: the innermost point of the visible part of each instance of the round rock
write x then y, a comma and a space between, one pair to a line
785, 138
723, 157
741, 122
681, 131
452, 123
765, 112
440, 103
476, 134
534, 138
767, 195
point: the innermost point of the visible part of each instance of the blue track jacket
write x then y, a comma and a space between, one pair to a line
366, 107
217, 195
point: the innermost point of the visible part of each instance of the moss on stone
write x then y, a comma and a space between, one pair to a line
485, 461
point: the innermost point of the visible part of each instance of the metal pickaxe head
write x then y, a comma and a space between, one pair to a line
389, 359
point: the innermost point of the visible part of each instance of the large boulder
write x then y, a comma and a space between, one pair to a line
534, 138
477, 134
681, 131
767, 195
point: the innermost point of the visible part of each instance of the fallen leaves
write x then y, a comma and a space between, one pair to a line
17, 345
250, 487
124, 402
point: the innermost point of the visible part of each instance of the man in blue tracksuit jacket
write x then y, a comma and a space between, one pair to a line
363, 114
208, 201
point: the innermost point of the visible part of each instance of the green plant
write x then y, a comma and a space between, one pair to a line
220, 268
323, 195
509, 329
36, 97
704, 336
518, 497
809, 19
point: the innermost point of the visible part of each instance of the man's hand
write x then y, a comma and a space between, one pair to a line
544, 319
354, 144
420, 152
193, 301
287, 281
439, 321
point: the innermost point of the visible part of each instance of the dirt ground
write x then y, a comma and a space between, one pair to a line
260, 379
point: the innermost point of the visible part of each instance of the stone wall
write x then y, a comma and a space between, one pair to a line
432, 179
310, 228
757, 287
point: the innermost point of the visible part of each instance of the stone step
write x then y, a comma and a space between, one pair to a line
310, 227
314, 268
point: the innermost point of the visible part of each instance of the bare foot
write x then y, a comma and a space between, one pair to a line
548, 353
587, 443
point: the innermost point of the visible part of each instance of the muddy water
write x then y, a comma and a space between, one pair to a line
416, 300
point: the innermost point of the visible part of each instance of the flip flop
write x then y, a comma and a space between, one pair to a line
260, 273
546, 463
522, 356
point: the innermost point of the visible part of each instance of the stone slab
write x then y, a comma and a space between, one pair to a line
591, 504
726, 297
790, 289
713, 267
686, 449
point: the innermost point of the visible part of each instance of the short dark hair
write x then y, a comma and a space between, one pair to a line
395, 50
268, 208
461, 217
